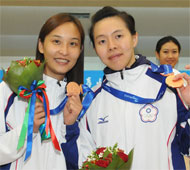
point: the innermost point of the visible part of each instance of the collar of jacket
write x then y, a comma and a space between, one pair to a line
139, 61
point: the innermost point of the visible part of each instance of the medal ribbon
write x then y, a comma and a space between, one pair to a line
166, 69
89, 96
59, 108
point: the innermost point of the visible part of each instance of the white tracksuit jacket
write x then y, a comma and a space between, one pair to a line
43, 156
148, 128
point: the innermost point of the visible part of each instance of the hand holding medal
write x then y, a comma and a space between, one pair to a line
166, 70
184, 89
73, 105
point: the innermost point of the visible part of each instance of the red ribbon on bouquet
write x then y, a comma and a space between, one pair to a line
36, 91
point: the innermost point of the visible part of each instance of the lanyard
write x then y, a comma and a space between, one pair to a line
59, 108
89, 96
136, 99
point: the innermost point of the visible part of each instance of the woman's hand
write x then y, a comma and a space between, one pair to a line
187, 66
72, 109
39, 116
185, 90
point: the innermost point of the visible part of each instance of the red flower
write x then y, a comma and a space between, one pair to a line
93, 162
109, 157
102, 163
37, 62
25, 62
86, 166
22, 62
123, 156
99, 150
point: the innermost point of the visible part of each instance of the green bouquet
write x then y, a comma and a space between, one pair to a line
23, 72
111, 158
24, 77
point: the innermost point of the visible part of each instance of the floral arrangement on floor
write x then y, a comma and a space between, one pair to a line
24, 77
108, 158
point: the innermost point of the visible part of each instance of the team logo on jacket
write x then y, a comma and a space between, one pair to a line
103, 120
148, 113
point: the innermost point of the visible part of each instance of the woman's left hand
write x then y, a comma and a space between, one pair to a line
72, 109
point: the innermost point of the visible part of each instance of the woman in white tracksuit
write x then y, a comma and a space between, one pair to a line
133, 106
60, 43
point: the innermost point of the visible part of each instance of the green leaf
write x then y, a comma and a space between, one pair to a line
106, 153
127, 165
114, 163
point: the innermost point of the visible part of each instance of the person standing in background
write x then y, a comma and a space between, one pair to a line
168, 50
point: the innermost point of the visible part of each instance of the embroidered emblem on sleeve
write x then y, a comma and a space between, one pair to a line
148, 113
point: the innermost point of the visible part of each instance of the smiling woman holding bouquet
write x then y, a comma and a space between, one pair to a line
60, 46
